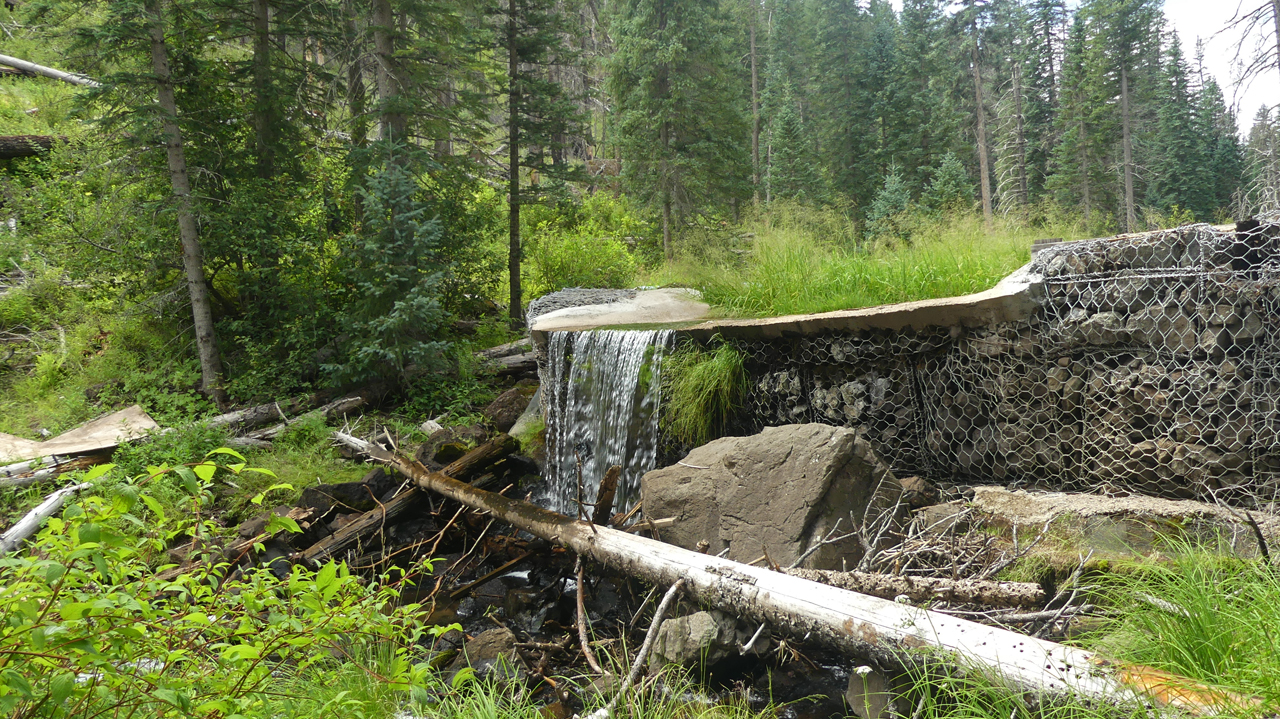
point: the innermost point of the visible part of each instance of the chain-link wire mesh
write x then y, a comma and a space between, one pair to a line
1152, 365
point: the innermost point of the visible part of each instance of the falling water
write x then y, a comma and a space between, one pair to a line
602, 410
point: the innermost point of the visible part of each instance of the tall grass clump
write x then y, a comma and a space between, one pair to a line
1210, 618
974, 694
702, 388
793, 260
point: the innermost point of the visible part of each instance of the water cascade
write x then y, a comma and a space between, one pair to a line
601, 393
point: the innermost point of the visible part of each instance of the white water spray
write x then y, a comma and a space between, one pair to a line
602, 394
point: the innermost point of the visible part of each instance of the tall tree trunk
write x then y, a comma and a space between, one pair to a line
987, 214
192, 254
513, 163
388, 77
1275, 14
1023, 193
755, 112
664, 169
1084, 174
263, 101
1130, 212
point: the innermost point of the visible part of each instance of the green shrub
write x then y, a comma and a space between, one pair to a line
91, 630
701, 391
174, 447
579, 259
307, 432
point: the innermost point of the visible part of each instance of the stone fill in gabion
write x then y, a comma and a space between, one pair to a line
1151, 366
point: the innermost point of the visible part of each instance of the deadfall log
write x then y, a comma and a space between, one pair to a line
858, 624
334, 409
930, 589
31, 523
12, 146
48, 71
370, 523
12, 477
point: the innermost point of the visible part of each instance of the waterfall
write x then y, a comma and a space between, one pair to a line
601, 392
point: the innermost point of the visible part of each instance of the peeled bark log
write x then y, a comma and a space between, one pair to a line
12, 146
924, 589
31, 523
48, 71
54, 467
865, 626
254, 417
466, 467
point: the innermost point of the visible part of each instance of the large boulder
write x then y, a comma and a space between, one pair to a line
776, 493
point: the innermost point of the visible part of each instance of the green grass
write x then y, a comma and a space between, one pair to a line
792, 260
1212, 618
702, 390
35, 106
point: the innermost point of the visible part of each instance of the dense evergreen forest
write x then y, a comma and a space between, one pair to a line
333, 184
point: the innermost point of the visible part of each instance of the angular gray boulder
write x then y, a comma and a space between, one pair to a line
776, 493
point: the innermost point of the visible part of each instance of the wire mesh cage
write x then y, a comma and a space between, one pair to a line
1152, 365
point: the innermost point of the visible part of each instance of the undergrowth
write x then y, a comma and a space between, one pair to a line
702, 389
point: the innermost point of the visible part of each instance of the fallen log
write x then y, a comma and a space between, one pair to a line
370, 523
30, 524
48, 72
12, 146
334, 409
869, 627
925, 589
511, 348
254, 417
35, 473
515, 364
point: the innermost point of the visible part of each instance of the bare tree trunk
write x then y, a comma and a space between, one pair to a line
755, 113
263, 123
1275, 14
355, 80
987, 214
387, 75
1130, 212
665, 138
192, 253
515, 311
1084, 174
47, 71
1023, 192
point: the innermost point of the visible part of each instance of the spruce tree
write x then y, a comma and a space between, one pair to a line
886, 218
950, 190
678, 109
1181, 174
792, 172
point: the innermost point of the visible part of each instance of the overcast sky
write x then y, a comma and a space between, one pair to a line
1201, 19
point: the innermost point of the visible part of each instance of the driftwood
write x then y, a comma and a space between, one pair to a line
12, 146
31, 523
924, 589
333, 410
877, 629
48, 72
370, 523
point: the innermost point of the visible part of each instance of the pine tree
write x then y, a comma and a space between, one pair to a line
1225, 155
841, 101
678, 108
792, 172
929, 127
887, 214
1181, 176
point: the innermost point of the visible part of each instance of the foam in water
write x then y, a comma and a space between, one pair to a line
601, 399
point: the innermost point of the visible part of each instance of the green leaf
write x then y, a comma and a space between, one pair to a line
88, 533
226, 450
97, 471
205, 470
189, 480
154, 506
53, 572
17, 683
278, 523
260, 470
60, 687
464, 676
258, 499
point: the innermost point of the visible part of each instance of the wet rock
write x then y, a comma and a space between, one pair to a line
491, 654
449, 444
702, 640
783, 489
507, 408
918, 492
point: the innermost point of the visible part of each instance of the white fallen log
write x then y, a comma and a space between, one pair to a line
869, 627
48, 72
20, 468
25, 474
31, 523
334, 409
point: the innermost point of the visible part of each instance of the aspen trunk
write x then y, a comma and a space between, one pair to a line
878, 629
192, 253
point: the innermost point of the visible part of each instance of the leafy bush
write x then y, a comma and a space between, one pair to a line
702, 389
587, 245
90, 630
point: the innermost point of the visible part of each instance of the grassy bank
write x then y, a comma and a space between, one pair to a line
794, 260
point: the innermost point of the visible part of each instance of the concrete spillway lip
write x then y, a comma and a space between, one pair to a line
1014, 298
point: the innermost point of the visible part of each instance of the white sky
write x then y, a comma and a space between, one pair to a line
1201, 19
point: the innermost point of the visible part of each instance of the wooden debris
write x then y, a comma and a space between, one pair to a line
31, 523
12, 146
333, 410
859, 624
48, 72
